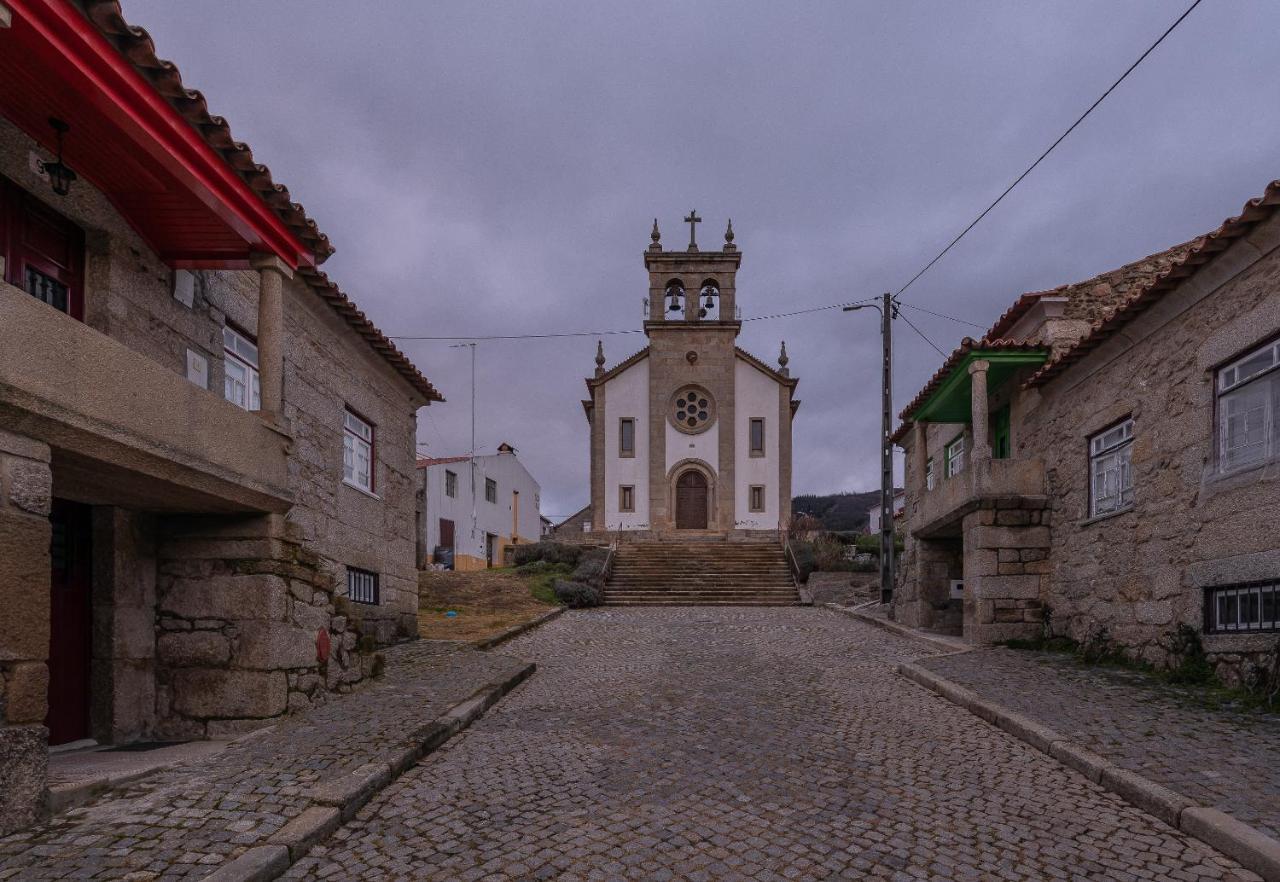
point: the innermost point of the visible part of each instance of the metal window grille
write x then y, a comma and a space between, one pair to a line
362, 586
48, 289
1248, 607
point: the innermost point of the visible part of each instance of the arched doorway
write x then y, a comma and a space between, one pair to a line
691, 501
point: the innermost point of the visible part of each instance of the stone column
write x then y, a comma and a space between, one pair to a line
978, 381
919, 455
272, 271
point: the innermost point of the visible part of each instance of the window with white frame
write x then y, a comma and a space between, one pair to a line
1248, 407
357, 451
490, 490
362, 585
451, 484
1110, 470
1252, 607
930, 474
953, 458
241, 385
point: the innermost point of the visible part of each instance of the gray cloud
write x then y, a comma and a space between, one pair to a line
494, 168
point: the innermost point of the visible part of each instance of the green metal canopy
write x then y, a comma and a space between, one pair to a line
951, 402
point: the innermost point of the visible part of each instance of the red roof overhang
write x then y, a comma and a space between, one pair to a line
182, 197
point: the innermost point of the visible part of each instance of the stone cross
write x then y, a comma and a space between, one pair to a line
691, 220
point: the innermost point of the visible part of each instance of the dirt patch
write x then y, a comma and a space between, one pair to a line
486, 602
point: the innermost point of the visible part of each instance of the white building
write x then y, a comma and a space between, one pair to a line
691, 433
476, 511
873, 515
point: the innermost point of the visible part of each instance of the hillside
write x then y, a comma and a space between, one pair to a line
838, 511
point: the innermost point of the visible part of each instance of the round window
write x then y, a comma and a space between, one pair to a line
692, 410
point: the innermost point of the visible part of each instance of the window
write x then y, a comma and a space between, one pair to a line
41, 252
451, 484
1248, 404
490, 490
1111, 475
362, 585
626, 498
757, 436
1252, 607
357, 451
240, 383
930, 474
627, 436
953, 462
756, 497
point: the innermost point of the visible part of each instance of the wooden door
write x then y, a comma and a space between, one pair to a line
44, 251
691, 501
70, 623
446, 533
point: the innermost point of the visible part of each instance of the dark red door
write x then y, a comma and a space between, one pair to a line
44, 251
70, 623
446, 533
691, 501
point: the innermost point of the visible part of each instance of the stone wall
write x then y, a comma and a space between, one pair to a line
25, 495
1140, 573
1006, 552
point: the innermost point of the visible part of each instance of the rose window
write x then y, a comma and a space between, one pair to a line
692, 409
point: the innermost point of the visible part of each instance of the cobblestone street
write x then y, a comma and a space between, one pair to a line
742, 744
1223, 759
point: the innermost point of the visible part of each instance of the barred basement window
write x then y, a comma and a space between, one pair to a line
1110, 471
1231, 609
362, 586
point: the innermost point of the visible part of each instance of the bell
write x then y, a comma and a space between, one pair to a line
711, 303
674, 305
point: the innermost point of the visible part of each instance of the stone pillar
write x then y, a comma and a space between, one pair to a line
272, 271
919, 456
26, 490
978, 382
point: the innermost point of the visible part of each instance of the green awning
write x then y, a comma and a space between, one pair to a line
951, 401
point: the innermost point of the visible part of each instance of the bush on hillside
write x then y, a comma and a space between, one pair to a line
576, 595
551, 552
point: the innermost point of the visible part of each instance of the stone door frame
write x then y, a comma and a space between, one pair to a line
708, 473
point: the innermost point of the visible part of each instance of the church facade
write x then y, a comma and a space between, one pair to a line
691, 435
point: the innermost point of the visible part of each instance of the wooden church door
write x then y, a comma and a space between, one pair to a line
691, 501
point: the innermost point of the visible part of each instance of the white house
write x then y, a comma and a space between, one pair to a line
475, 508
873, 515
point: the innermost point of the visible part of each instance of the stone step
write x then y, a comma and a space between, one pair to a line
702, 603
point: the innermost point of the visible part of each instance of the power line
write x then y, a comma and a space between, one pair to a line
922, 336
943, 315
1042, 156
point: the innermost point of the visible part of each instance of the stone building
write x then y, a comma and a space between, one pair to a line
1107, 459
691, 433
206, 450
474, 508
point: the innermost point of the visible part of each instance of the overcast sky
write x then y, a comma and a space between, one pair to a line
494, 168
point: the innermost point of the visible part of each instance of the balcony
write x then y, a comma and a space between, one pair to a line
984, 484
124, 429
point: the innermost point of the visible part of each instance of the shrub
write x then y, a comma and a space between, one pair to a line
551, 552
536, 567
590, 570
576, 595
1191, 666
806, 561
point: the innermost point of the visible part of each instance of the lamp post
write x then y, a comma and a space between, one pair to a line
888, 312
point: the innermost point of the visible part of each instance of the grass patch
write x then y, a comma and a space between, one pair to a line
541, 578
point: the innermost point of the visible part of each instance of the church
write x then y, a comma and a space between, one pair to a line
691, 436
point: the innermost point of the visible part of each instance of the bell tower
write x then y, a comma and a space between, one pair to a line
692, 323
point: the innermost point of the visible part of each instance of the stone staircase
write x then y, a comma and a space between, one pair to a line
700, 573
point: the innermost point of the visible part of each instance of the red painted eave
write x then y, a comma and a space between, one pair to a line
129, 142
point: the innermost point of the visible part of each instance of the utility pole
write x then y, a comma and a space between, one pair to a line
888, 312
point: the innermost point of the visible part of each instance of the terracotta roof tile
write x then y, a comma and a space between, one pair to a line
1186, 260
137, 47
427, 461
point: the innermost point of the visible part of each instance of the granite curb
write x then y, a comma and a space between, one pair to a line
516, 630
336, 801
1245, 844
949, 645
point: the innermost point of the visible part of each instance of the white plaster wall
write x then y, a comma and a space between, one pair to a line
491, 517
756, 395
627, 395
705, 446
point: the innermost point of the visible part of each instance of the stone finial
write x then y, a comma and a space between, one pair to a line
783, 360
599, 358
728, 233
656, 237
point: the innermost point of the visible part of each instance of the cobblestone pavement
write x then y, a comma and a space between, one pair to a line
1218, 758
185, 821
766, 744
